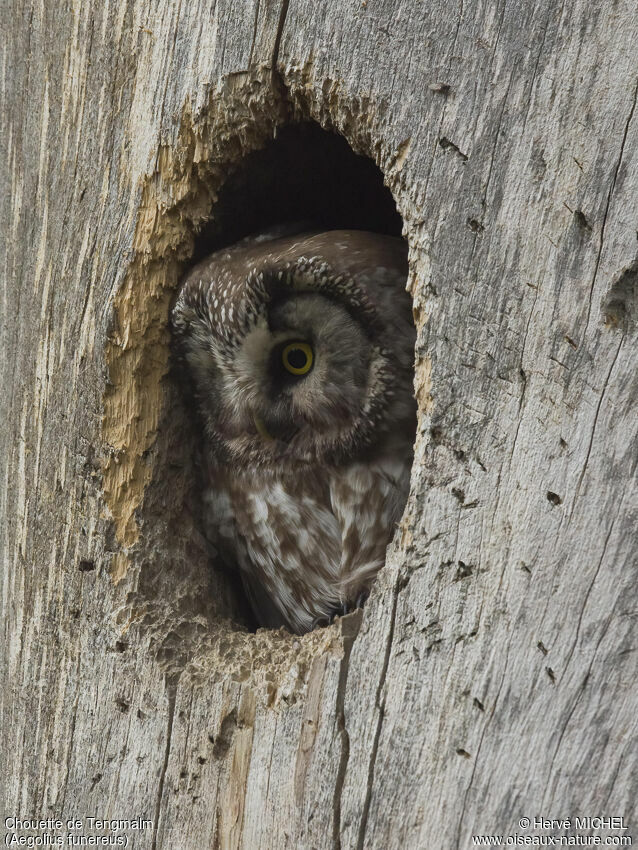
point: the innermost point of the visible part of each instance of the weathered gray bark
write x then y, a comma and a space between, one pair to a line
493, 673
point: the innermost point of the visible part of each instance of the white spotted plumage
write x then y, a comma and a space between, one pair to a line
308, 475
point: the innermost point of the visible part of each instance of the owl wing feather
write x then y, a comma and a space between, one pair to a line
367, 500
291, 543
229, 547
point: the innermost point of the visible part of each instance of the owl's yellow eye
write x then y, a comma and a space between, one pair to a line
297, 358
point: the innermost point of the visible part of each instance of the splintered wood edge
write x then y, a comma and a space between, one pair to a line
137, 352
175, 199
137, 360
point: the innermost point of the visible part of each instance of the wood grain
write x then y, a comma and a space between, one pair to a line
492, 675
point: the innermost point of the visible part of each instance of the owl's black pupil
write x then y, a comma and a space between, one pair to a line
297, 358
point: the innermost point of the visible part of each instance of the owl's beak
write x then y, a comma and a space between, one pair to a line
282, 434
261, 428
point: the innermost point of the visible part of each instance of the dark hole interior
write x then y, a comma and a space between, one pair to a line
305, 175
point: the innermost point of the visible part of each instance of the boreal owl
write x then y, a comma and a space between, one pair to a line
299, 350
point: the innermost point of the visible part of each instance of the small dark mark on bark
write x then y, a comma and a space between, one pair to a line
201, 759
477, 702
570, 341
95, 780
581, 220
542, 647
525, 568
461, 752
554, 498
464, 570
459, 494
562, 443
577, 163
439, 88
121, 646
551, 674
446, 144
86, 566
475, 225
437, 435
122, 704
223, 741
462, 638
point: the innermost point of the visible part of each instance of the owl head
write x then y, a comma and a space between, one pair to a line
299, 347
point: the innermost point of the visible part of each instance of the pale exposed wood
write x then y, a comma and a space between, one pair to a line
493, 672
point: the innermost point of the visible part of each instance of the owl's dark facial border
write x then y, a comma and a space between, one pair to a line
313, 277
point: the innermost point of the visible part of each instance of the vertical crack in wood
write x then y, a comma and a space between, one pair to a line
254, 36
535, 71
381, 709
572, 708
172, 696
280, 28
476, 754
579, 624
71, 739
348, 643
593, 430
608, 202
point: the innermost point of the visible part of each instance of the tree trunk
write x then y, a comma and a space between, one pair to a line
492, 674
